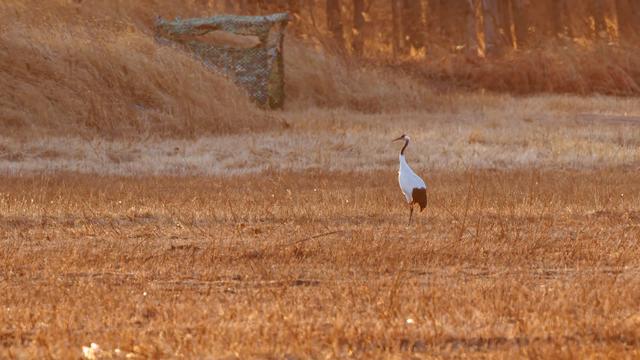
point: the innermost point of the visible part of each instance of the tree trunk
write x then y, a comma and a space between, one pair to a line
521, 22
434, 17
506, 22
606, 19
358, 27
458, 21
395, 28
628, 18
491, 26
249, 7
471, 27
294, 7
611, 17
577, 18
412, 26
596, 10
334, 23
311, 8
560, 21
230, 6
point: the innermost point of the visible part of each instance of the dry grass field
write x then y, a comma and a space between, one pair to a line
148, 207
292, 242
316, 264
460, 131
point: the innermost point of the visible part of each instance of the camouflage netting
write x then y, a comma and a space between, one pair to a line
258, 68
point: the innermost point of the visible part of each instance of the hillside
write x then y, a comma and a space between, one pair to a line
95, 69
92, 68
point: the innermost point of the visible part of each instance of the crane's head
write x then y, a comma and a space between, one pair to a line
403, 137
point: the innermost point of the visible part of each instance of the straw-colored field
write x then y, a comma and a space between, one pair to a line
294, 241
465, 131
148, 207
321, 264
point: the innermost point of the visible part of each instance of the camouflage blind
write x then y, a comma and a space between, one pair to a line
257, 65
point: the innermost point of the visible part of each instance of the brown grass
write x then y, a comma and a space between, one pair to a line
564, 67
114, 81
317, 78
462, 132
148, 207
94, 69
502, 264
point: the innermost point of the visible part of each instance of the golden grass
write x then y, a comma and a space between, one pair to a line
564, 67
72, 80
93, 69
462, 132
502, 264
235, 233
317, 78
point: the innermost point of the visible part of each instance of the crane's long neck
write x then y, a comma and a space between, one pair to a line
404, 167
406, 143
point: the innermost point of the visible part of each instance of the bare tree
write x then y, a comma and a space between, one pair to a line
560, 20
521, 22
358, 27
491, 27
454, 23
249, 6
611, 19
606, 18
505, 8
628, 12
457, 25
412, 25
471, 29
293, 6
334, 22
395, 27
434, 21
596, 11
458, 22
230, 6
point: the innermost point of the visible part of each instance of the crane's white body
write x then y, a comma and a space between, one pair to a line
408, 180
413, 187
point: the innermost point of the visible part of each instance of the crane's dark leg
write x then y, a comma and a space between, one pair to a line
410, 212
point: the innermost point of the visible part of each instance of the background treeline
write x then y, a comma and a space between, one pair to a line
95, 66
478, 27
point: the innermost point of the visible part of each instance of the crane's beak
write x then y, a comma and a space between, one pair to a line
400, 138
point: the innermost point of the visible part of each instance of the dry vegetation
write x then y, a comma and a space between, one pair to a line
148, 207
321, 264
88, 79
95, 70
561, 67
489, 132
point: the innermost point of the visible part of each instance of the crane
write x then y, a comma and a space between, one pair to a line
412, 186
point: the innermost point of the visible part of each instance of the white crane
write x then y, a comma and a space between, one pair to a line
412, 186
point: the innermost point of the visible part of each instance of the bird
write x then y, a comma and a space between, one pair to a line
412, 186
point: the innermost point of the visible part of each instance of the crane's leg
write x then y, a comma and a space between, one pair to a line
410, 212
